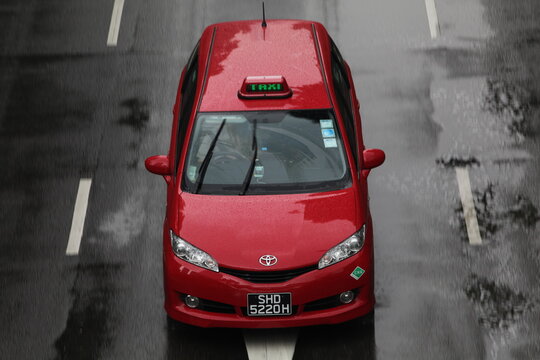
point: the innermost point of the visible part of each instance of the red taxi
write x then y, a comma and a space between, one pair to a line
267, 221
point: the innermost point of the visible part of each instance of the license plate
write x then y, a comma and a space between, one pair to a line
269, 304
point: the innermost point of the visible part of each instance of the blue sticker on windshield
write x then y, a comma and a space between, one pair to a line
328, 133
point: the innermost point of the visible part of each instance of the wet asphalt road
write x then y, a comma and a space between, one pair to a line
72, 107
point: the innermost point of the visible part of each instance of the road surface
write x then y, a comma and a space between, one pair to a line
449, 89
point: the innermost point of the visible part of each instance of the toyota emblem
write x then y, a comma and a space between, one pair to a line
268, 260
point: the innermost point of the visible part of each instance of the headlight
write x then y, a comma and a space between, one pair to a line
344, 249
191, 254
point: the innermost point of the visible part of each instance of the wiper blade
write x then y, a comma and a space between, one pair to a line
249, 175
207, 158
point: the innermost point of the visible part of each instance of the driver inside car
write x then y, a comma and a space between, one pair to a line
232, 153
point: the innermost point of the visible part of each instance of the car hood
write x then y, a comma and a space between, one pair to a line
237, 230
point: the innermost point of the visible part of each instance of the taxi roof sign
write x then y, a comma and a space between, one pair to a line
262, 87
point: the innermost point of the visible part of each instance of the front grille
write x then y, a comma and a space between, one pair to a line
268, 276
214, 306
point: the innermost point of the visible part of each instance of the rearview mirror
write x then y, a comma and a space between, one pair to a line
158, 164
373, 158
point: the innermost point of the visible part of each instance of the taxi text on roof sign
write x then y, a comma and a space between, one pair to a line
266, 87
260, 87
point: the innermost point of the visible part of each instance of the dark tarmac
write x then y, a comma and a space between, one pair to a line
72, 107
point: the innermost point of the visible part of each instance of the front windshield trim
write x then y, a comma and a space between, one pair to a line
339, 160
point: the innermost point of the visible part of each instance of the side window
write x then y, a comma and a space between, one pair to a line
186, 106
343, 91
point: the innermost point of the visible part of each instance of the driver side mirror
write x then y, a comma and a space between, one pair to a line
373, 158
158, 164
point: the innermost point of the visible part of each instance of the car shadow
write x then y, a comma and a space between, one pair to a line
351, 340
190, 342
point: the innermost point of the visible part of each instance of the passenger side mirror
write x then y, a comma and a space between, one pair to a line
158, 164
373, 158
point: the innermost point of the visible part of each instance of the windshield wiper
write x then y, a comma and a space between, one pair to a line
249, 175
207, 158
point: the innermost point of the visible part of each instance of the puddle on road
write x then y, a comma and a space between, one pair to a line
498, 306
486, 213
137, 119
139, 114
486, 210
493, 214
452, 162
511, 103
523, 212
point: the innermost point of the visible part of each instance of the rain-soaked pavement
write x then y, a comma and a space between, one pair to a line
72, 107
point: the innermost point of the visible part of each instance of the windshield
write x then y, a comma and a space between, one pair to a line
265, 152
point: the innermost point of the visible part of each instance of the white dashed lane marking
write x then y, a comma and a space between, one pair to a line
79, 215
275, 344
433, 19
469, 212
114, 27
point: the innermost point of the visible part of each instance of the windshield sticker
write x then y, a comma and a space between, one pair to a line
357, 273
330, 143
328, 133
192, 170
217, 119
326, 124
258, 171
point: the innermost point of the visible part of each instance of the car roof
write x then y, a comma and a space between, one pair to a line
245, 48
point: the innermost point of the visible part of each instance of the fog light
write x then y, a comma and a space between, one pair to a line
346, 297
192, 301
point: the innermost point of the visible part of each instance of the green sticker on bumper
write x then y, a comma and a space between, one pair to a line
357, 273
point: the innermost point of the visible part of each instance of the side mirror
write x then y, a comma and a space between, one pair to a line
373, 158
158, 164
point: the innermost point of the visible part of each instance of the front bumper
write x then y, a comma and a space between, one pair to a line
230, 292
